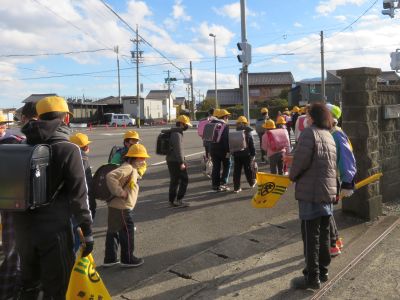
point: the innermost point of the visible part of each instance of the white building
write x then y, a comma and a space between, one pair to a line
167, 98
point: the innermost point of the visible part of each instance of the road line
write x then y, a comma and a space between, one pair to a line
163, 162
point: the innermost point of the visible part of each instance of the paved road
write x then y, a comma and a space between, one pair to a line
166, 236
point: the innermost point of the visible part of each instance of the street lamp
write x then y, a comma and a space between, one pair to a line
215, 69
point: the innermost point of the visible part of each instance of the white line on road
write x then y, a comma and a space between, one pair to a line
163, 162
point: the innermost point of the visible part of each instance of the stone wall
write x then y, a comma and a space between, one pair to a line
375, 140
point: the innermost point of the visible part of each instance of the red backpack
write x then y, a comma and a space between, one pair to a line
277, 139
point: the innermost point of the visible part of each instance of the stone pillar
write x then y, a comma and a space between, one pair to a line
360, 110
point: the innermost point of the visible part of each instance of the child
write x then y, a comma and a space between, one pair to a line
275, 142
122, 183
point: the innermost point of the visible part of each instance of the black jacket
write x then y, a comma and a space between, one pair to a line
176, 146
250, 150
89, 182
222, 148
66, 166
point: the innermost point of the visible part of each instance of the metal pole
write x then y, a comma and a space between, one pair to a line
215, 71
191, 93
119, 78
137, 77
245, 73
322, 68
169, 98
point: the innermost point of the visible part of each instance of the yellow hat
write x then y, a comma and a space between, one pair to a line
215, 113
137, 150
264, 110
52, 104
80, 139
303, 110
185, 120
222, 113
286, 112
131, 134
242, 119
3, 119
280, 120
269, 124
295, 109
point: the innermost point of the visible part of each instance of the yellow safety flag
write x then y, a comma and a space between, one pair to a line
85, 283
270, 189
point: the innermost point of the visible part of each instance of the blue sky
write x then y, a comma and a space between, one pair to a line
179, 30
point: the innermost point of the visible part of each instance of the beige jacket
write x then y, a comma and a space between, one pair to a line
115, 181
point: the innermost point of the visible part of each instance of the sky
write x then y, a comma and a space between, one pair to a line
67, 46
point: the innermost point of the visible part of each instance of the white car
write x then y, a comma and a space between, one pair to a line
119, 119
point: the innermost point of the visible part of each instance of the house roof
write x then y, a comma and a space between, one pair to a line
388, 76
270, 78
226, 96
110, 100
179, 100
36, 97
159, 94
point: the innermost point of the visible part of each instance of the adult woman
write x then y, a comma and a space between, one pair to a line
314, 171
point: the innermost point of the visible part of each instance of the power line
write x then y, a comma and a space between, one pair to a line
56, 53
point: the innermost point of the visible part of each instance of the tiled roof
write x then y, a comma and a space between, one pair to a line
388, 76
269, 78
159, 94
36, 97
179, 100
226, 96
110, 100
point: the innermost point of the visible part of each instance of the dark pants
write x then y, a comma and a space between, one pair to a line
239, 162
124, 236
217, 161
315, 235
46, 263
276, 163
178, 181
334, 233
261, 149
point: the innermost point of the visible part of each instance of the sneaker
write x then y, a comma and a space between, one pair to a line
335, 251
224, 188
339, 243
217, 189
301, 283
254, 185
110, 264
180, 203
172, 203
135, 262
323, 277
237, 191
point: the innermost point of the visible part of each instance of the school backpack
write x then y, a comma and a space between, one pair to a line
163, 145
113, 151
301, 121
259, 126
200, 127
237, 141
213, 132
276, 139
24, 177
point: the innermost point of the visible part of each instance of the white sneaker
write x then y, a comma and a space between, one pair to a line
237, 191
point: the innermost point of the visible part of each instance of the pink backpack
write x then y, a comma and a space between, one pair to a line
301, 123
200, 127
276, 139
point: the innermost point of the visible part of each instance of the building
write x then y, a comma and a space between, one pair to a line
167, 98
226, 97
267, 86
389, 78
180, 104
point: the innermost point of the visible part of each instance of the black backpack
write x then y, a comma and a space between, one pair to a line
163, 145
113, 151
99, 186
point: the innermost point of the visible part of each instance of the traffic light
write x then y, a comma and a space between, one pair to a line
389, 7
395, 60
245, 57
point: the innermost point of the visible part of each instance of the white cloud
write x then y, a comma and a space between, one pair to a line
232, 11
329, 6
179, 11
340, 18
297, 24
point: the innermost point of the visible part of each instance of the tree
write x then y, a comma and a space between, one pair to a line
207, 104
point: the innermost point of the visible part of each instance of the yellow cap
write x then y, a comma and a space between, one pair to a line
137, 150
222, 113
242, 119
52, 104
131, 134
184, 120
269, 124
215, 113
79, 139
295, 109
303, 110
3, 119
264, 110
280, 120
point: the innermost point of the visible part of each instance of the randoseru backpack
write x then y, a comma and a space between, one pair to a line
277, 139
24, 177
237, 141
113, 151
163, 147
200, 127
213, 132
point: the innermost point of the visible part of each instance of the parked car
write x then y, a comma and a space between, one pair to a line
119, 119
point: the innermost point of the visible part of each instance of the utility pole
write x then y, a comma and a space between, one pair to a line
137, 56
245, 72
322, 69
192, 104
169, 98
116, 50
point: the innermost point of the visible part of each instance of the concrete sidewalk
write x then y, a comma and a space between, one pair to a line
260, 263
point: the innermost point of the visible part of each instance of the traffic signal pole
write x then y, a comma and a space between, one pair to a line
245, 72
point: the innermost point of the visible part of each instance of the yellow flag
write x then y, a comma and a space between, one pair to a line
85, 283
270, 189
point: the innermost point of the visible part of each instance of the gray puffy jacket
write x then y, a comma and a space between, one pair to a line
314, 166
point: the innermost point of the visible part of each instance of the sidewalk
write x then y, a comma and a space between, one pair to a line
260, 263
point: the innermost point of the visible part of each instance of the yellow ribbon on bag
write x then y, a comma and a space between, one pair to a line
270, 189
85, 283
